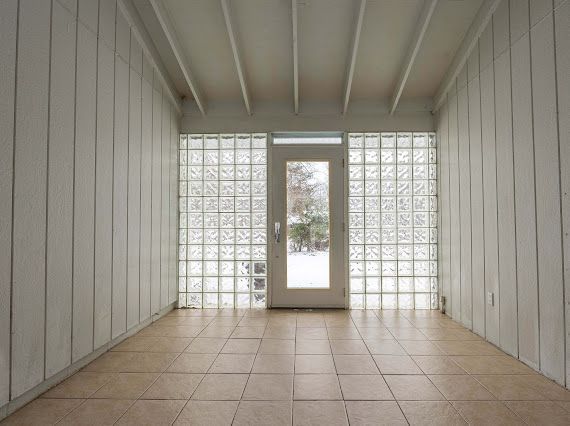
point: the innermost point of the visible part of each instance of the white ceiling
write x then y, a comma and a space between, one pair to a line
264, 36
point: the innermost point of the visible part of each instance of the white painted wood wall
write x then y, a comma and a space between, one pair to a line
504, 135
88, 179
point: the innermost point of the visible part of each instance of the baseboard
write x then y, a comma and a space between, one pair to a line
57, 378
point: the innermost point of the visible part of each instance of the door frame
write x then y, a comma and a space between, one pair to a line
271, 221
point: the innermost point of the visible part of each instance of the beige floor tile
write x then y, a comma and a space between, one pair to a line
413, 388
169, 344
431, 413
437, 365
269, 387
202, 345
385, 347
241, 346
81, 385
355, 364
232, 363
152, 413
312, 347
548, 388
451, 347
279, 332
312, 413
126, 386
420, 347
221, 387
370, 413
263, 413
316, 387
220, 331
173, 386
311, 333
348, 347
253, 322
277, 346
170, 331
314, 364
97, 412
491, 365
135, 344
207, 413
511, 387
274, 364
225, 321
248, 333
376, 334
461, 388
192, 363
110, 362
564, 404
396, 364
540, 412
343, 333
310, 321
363, 387
486, 413
407, 334
149, 362
42, 411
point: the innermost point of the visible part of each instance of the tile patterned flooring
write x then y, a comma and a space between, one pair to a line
273, 367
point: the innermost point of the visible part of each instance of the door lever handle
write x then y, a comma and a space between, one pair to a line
277, 231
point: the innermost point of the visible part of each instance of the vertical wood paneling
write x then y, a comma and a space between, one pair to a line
548, 218
465, 207
455, 223
490, 202
107, 11
445, 254
30, 174
523, 150
156, 199
88, 13
165, 216
173, 210
120, 189
134, 200
562, 25
59, 256
477, 240
8, 22
506, 206
84, 206
146, 204
104, 195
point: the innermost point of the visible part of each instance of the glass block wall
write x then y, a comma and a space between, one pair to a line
223, 220
392, 210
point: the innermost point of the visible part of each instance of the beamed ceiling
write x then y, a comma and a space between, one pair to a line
344, 56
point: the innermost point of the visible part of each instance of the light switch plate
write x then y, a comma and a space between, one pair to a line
491, 299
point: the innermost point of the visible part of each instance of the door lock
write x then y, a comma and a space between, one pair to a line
277, 231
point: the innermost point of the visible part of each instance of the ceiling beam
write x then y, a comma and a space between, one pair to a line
413, 50
237, 57
168, 29
353, 54
137, 27
469, 42
295, 57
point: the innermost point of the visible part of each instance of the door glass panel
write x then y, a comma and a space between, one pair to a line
308, 224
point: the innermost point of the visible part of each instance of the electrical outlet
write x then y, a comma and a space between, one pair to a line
491, 299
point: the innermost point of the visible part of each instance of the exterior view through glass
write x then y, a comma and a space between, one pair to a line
308, 224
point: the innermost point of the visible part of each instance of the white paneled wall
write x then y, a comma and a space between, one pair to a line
88, 145
504, 137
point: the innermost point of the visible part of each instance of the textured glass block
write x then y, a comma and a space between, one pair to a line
355, 204
227, 284
211, 284
389, 252
373, 285
388, 140
405, 301
372, 236
195, 157
243, 284
226, 300
227, 236
258, 300
259, 236
259, 140
210, 300
372, 172
356, 140
227, 141
356, 252
182, 253
404, 140
355, 156
195, 173
405, 252
421, 284
404, 172
357, 285
194, 300
259, 172
371, 188
389, 285
373, 301
389, 268
356, 220
371, 156
420, 140
260, 268
372, 140
195, 236
259, 220
405, 268
211, 252
227, 252
227, 172
389, 301
356, 268
182, 298
211, 141
372, 204
243, 141
259, 252
421, 268
405, 284
259, 156
372, 252
259, 284
227, 268
243, 236
387, 156
357, 301
211, 267
420, 172
356, 188
211, 236
227, 156
258, 188
355, 172
388, 188
243, 188
420, 156
243, 220
372, 267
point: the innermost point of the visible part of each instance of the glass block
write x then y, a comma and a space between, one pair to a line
372, 140
389, 285
211, 141
211, 284
356, 188
373, 285
356, 252
422, 301
243, 236
356, 140
373, 301
227, 236
227, 156
371, 156
421, 284
404, 172
259, 156
388, 140
404, 140
181, 299
405, 301
372, 204
194, 300
259, 140
211, 252
405, 268
258, 300
226, 300
355, 156
243, 300
357, 301
372, 252
387, 156
211, 267
258, 188
356, 268
259, 236
210, 300
389, 301
371, 188
227, 141
260, 268
405, 284
227, 268
227, 284
372, 172
259, 284
211, 236
389, 252
356, 285
372, 267
355, 172
194, 284
259, 172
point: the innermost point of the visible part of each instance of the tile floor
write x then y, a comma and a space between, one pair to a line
208, 367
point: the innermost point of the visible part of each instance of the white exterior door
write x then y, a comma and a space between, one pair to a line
307, 226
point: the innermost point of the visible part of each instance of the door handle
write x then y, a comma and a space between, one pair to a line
277, 231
